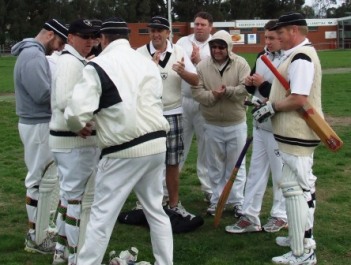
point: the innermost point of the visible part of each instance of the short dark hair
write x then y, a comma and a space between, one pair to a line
270, 24
205, 15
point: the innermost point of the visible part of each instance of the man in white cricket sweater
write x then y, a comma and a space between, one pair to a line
196, 47
265, 158
174, 66
76, 157
296, 140
122, 90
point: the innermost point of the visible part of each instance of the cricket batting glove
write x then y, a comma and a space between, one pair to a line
263, 112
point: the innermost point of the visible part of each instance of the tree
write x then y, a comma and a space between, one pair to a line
343, 10
321, 7
308, 11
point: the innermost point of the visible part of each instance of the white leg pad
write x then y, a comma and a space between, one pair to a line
47, 202
87, 201
297, 213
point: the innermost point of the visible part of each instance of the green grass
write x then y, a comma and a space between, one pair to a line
206, 245
6, 74
335, 58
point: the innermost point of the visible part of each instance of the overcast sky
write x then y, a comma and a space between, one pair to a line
309, 2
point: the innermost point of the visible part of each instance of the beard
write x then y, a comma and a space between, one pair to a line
49, 47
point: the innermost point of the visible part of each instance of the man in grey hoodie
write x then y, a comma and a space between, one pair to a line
32, 79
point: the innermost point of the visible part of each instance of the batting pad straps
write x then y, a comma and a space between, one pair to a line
72, 221
291, 188
31, 225
31, 202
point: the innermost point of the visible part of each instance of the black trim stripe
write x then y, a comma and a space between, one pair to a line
110, 95
31, 202
67, 52
301, 56
134, 142
162, 63
296, 141
67, 133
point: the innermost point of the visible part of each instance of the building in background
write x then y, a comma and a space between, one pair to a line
248, 35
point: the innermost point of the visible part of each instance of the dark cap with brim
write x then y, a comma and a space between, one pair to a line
82, 26
290, 19
158, 22
114, 25
57, 27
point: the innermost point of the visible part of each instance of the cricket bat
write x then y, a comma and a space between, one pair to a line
313, 119
228, 186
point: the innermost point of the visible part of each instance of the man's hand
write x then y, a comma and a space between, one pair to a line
195, 55
257, 79
156, 57
179, 66
263, 112
219, 92
86, 131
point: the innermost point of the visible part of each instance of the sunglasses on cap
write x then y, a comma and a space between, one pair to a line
219, 47
86, 36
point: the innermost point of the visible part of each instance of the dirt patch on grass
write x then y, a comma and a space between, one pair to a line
338, 121
337, 71
7, 96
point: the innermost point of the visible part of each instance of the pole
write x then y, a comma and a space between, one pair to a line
170, 19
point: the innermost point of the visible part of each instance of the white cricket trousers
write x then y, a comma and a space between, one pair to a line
37, 155
223, 147
299, 169
194, 122
265, 160
75, 167
115, 180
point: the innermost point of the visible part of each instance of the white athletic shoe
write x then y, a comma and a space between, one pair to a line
284, 241
59, 258
207, 197
138, 206
274, 224
238, 211
308, 258
47, 247
179, 209
244, 225
211, 210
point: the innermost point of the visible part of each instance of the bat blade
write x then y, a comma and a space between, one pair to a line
228, 186
313, 119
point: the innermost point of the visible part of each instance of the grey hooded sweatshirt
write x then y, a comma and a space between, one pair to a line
32, 79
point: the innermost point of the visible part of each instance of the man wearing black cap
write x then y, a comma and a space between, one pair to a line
75, 157
296, 140
174, 66
32, 79
122, 91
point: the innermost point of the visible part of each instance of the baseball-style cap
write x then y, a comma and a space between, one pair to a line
158, 22
290, 19
82, 26
114, 25
57, 27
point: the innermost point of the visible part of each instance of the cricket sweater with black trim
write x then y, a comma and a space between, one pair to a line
291, 131
69, 69
121, 90
171, 96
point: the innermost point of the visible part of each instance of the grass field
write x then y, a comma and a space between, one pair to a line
206, 245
